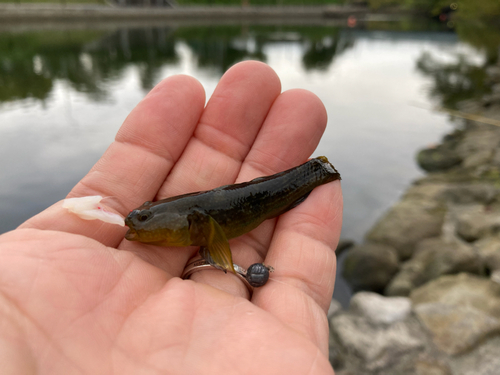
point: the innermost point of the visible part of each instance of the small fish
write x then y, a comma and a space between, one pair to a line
209, 218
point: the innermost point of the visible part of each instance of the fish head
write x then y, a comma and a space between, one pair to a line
158, 227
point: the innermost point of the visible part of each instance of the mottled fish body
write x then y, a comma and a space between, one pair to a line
209, 218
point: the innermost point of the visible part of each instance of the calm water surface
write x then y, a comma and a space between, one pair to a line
64, 94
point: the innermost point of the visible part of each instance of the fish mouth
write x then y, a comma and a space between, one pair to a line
131, 235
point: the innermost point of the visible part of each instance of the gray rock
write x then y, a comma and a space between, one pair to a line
456, 328
370, 266
459, 311
495, 276
335, 356
407, 223
476, 221
493, 71
458, 193
492, 99
495, 89
492, 112
488, 249
378, 309
429, 367
402, 284
343, 245
495, 159
480, 140
423, 190
433, 257
477, 158
335, 307
438, 159
484, 360
375, 349
461, 290
467, 193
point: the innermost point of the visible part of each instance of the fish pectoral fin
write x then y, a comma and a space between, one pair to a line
218, 246
299, 201
294, 204
215, 246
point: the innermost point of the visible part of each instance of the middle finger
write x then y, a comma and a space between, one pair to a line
213, 156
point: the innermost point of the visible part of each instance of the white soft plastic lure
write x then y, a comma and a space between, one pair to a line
91, 208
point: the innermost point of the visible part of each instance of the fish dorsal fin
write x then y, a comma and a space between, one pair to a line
217, 245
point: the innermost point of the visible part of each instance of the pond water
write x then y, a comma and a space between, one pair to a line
64, 94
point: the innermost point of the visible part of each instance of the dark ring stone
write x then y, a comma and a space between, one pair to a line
257, 275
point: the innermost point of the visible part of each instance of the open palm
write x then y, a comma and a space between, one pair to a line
75, 297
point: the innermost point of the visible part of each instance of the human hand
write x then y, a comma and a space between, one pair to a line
75, 297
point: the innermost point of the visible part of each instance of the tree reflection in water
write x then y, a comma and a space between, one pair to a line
88, 61
464, 78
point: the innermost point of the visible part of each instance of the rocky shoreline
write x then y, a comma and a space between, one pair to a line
428, 274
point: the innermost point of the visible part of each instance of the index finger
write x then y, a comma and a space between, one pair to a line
135, 165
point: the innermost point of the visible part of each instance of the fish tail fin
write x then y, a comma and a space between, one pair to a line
331, 173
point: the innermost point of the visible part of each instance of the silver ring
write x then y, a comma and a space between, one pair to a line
200, 264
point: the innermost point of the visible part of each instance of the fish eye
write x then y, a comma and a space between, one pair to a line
143, 215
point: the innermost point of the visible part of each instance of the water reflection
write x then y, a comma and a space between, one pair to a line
454, 81
320, 53
30, 62
88, 60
